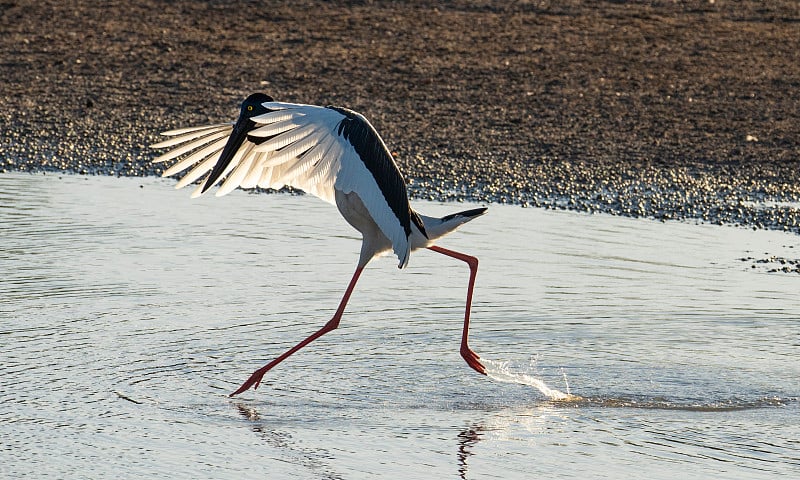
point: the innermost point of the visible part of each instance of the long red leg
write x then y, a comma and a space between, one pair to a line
255, 378
472, 358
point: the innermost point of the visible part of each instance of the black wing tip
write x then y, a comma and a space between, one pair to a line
206, 185
418, 222
475, 212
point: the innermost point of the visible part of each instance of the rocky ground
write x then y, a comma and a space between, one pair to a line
664, 109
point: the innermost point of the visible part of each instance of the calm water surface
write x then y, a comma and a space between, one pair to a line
128, 313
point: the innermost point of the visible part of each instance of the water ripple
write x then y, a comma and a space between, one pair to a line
128, 314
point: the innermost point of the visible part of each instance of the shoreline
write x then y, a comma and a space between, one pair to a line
655, 201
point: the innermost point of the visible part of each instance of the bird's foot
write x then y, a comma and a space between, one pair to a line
473, 360
254, 381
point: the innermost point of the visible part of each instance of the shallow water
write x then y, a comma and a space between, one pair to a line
128, 313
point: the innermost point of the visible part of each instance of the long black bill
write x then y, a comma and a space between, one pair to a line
239, 134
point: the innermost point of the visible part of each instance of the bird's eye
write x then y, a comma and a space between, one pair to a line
249, 108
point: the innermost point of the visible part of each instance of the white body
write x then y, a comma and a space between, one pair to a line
374, 242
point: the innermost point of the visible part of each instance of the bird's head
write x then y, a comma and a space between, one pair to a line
252, 106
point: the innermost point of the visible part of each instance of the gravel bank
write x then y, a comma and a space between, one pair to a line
671, 110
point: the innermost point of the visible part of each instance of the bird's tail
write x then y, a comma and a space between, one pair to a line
439, 227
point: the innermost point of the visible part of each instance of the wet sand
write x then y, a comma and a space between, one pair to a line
670, 110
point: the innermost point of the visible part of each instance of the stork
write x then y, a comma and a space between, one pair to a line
333, 153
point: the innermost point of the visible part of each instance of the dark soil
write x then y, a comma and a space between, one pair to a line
667, 109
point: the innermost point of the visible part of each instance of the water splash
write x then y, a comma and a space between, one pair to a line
500, 371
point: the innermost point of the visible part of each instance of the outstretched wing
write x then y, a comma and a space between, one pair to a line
315, 149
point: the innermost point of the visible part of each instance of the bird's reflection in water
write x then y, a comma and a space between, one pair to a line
314, 460
467, 439
247, 412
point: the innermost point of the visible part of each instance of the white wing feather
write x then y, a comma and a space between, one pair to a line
303, 149
185, 134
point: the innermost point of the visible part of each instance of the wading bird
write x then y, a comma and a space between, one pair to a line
333, 153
